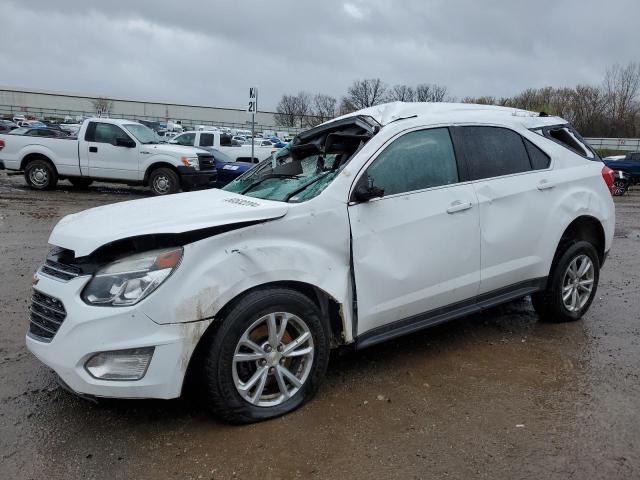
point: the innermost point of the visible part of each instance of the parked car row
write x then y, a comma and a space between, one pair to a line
117, 151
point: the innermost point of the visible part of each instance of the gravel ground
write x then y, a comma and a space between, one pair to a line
496, 395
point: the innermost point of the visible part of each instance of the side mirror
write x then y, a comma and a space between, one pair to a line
125, 142
365, 190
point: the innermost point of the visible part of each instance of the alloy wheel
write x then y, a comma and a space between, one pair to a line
577, 283
273, 359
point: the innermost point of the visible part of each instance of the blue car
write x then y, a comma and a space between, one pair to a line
277, 142
226, 168
627, 171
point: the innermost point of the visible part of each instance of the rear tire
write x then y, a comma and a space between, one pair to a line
288, 379
81, 182
164, 181
40, 175
571, 286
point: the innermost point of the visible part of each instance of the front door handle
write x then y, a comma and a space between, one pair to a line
545, 185
459, 206
93, 149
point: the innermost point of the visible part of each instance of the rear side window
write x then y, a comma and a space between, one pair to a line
415, 161
186, 139
206, 139
569, 138
539, 159
493, 152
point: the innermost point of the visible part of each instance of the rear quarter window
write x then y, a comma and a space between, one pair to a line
566, 136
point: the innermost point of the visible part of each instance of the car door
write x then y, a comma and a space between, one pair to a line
106, 155
417, 248
515, 190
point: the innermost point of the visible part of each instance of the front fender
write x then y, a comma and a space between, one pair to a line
216, 270
148, 161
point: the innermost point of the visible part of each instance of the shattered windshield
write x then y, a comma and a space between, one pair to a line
304, 168
263, 181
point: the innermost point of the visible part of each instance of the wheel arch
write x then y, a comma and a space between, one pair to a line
332, 312
36, 156
584, 227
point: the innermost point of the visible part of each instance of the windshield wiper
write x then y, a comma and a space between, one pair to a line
266, 177
305, 185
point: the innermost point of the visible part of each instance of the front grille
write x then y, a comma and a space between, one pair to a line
60, 270
47, 314
206, 162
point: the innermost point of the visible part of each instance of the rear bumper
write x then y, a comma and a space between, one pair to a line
196, 178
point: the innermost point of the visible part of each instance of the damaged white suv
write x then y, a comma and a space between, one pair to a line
371, 226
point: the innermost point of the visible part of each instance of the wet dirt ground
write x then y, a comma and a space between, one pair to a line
496, 395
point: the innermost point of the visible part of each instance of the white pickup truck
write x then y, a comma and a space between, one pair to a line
108, 150
223, 142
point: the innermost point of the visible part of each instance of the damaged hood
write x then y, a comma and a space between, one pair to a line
87, 231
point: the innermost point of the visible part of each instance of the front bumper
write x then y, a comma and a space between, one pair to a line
189, 177
87, 330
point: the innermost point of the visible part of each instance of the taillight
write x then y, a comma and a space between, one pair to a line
1, 144
608, 176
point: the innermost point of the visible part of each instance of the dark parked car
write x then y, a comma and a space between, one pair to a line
629, 169
39, 132
227, 169
7, 126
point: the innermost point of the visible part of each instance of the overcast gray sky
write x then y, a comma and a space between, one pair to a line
208, 52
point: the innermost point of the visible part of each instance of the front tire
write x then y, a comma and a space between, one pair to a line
572, 285
268, 356
40, 175
164, 181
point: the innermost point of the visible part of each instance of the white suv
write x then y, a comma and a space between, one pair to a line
371, 226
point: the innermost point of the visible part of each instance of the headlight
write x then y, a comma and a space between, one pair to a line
127, 281
191, 162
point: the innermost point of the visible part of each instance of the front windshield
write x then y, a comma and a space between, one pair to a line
144, 134
306, 166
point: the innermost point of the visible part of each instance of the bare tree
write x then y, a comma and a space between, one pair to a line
346, 106
622, 86
366, 93
486, 100
588, 109
293, 110
324, 107
431, 92
102, 105
401, 93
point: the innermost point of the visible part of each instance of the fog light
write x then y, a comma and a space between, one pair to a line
129, 364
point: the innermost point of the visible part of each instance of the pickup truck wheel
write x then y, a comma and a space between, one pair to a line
80, 182
268, 356
571, 286
41, 175
164, 181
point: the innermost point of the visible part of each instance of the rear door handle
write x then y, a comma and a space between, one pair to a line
93, 149
545, 185
459, 206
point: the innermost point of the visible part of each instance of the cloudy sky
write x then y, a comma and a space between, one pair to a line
208, 52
